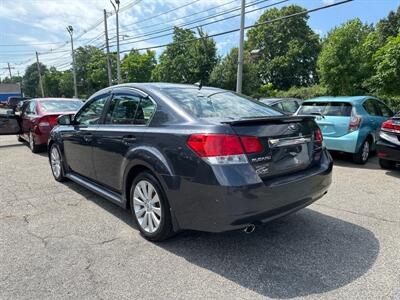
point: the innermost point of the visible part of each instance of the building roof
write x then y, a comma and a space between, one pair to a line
10, 88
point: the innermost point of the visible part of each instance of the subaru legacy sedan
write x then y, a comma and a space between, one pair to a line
348, 124
181, 157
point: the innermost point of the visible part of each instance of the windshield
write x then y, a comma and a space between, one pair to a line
339, 109
209, 103
60, 105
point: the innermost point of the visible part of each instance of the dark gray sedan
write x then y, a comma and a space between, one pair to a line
286, 105
181, 157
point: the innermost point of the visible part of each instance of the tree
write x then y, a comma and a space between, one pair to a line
342, 64
288, 48
185, 60
225, 73
137, 67
387, 67
390, 26
58, 83
31, 79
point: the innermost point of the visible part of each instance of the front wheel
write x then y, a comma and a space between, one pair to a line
387, 164
361, 157
56, 163
150, 208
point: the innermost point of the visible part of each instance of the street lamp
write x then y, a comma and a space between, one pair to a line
70, 30
116, 9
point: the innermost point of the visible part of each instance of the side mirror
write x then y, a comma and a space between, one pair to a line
64, 120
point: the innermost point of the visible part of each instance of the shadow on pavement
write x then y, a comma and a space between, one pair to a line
11, 145
304, 254
346, 160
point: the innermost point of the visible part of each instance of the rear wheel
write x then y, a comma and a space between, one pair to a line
387, 164
150, 208
361, 157
32, 145
56, 163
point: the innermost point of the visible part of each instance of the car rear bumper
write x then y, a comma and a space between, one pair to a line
346, 143
216, 208
387, 150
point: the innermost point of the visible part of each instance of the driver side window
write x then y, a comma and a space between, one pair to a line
91, 114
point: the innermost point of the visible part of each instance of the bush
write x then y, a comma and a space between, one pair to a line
303, 92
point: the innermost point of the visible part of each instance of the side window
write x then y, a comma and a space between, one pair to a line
145, 111
385, 111
370, 107
31, 108
91, 114
277, 106
122, 109
290, 106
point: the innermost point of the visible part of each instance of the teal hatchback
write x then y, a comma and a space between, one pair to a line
348, 124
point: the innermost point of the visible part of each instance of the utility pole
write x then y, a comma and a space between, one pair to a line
70, 30
9, 69
240, 56
116, 9
40, 74
108, 50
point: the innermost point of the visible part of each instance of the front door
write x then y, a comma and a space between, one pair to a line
9, 123
126, 118
78, 142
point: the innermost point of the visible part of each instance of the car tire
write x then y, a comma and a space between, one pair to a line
362, 156
387, 164
150, 208
20, 139
32, 145
56, 163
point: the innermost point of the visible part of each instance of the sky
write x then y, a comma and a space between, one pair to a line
27, 26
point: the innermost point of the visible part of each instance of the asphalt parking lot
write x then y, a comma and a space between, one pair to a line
62, 241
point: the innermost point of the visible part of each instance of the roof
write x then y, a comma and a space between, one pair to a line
10, 88
54, 98
350, 99
274, 100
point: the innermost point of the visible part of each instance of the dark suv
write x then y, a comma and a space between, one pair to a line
181, 157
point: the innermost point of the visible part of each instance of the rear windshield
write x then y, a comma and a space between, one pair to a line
339, 109
60, 105
209, 103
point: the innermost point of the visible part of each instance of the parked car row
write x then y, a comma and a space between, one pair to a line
183, 157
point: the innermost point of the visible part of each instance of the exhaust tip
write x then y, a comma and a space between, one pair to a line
249, 228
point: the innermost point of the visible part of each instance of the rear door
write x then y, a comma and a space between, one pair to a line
335, 116
288, 144
9, 122
374, 118
127, 116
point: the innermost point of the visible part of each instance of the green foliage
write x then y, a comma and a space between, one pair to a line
31, 80
137, 67
341, 63
303, 92
225, 73
389, 26
184, 61
289, 48
386, 80
58, 83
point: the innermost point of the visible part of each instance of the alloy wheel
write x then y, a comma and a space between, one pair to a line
365, 151
55, 161
31, 141
147, 206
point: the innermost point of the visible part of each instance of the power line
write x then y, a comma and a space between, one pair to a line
204, 24
246, 27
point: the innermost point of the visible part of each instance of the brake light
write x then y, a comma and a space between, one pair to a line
355, 122
318, 137
390, 126
48, 121
224, 148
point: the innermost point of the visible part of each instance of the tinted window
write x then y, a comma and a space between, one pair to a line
122, 109
289, 106
210, 103
145, 111
370, 107
91, 113
60, 105
385, 111
339, 109
31, 109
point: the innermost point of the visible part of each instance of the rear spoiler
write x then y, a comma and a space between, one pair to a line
272, 119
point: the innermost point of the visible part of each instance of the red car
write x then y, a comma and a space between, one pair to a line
39, 116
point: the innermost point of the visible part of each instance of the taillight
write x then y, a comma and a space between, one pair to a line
224, 148
391, 126
318, 137
48, 121
355, 122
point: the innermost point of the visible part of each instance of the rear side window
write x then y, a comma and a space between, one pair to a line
290, 106
385, 111
370, 107
334, 109
211, 103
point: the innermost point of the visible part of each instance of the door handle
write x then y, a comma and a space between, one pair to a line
87, 138
128, 139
